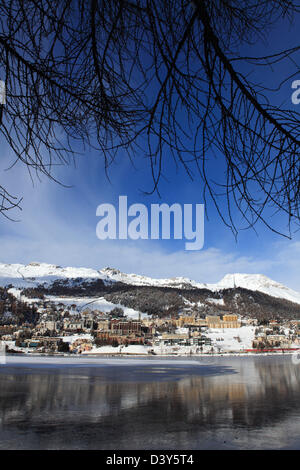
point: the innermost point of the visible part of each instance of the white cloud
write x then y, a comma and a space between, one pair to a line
142, 258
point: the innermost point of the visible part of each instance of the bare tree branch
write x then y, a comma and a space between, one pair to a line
168, 79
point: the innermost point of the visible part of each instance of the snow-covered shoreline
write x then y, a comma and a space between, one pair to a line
116, 355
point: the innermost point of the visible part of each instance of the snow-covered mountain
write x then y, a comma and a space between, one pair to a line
254, 282
113, 274
33, 274
257, 282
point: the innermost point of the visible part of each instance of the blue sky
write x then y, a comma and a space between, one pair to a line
58, 225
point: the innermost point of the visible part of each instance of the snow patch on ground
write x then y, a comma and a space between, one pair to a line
231, 339
72, 338
216, 301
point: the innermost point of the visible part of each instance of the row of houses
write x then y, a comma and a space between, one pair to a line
181, 339
210, 321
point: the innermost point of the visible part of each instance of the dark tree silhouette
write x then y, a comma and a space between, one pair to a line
162, 78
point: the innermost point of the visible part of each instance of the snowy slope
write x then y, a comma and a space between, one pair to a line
20, 275
100, 303
253, 282
257, 282
41, 273
138, 280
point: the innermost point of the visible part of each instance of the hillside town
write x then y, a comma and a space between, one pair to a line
48, 327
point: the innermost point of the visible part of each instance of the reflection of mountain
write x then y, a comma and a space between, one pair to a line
69, 409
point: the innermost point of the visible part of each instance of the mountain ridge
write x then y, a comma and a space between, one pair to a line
34, 273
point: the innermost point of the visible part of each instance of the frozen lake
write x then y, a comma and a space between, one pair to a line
150, 403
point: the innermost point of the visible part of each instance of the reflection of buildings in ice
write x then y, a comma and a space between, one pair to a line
261, 392
281, 376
